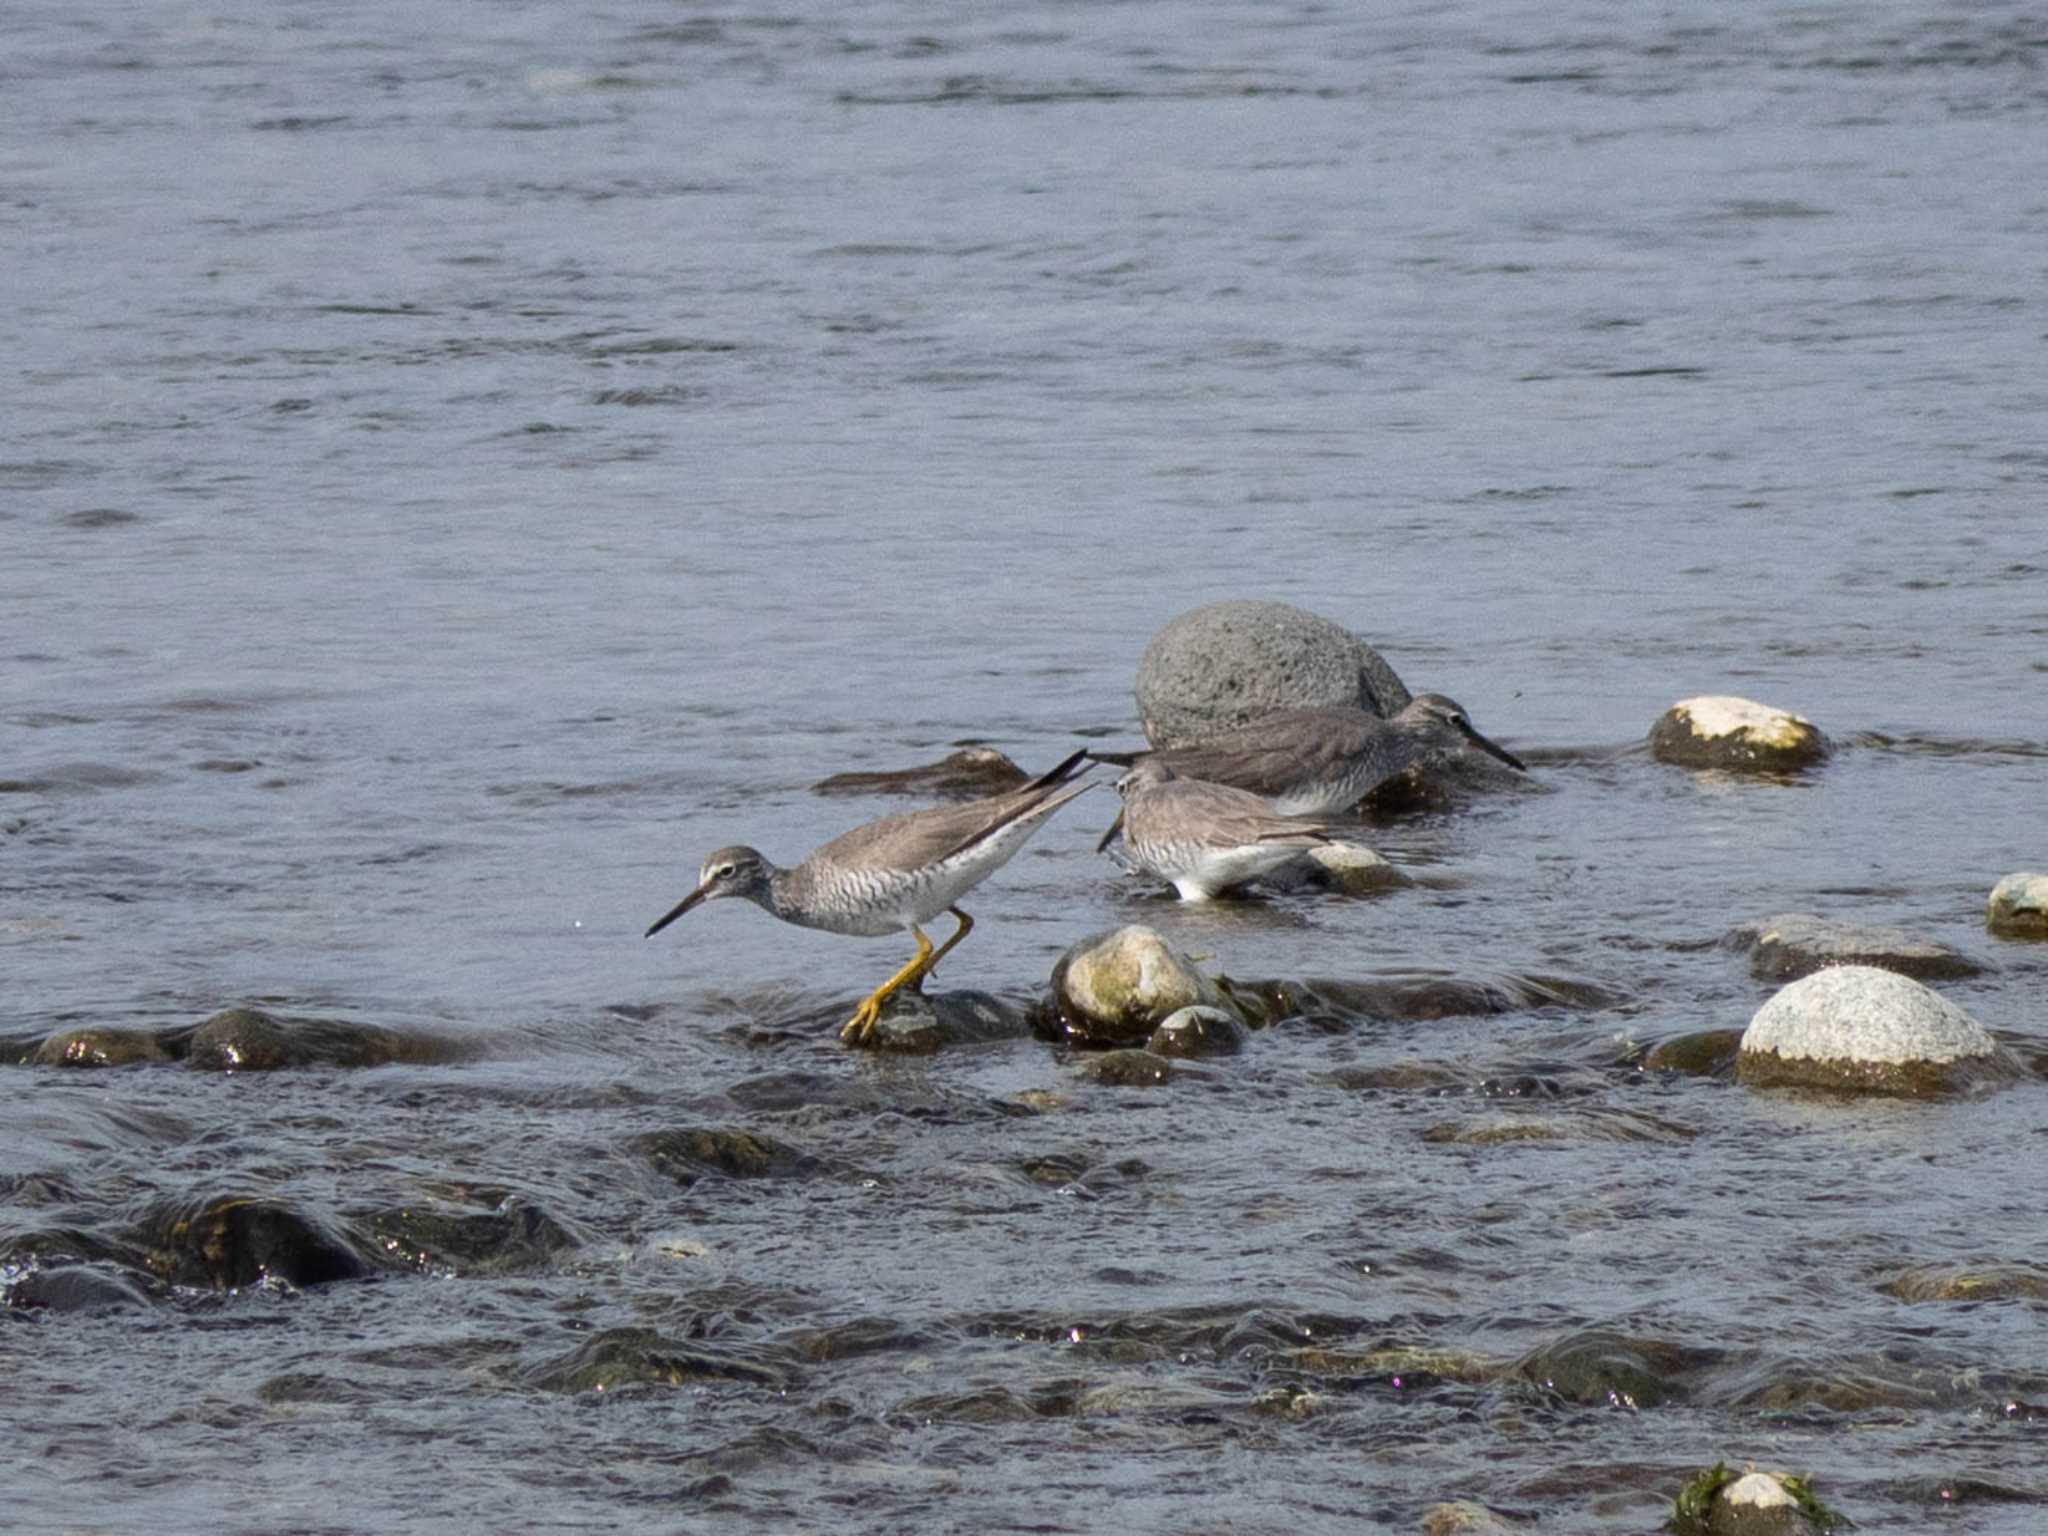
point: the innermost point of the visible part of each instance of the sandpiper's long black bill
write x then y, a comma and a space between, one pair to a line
679, 909
1492, 749
1110, 836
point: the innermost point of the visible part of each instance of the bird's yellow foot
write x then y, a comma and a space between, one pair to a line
856, 1030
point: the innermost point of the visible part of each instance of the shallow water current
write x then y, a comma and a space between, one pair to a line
457, 471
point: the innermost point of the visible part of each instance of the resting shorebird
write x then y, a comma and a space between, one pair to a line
1202, 837
890, 874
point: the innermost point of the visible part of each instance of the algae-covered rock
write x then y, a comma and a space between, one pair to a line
100, 1046
688, 1154
1720, 1501
1702, 1053
1227, 664
622, 1357
1987, 1282
1597, 1365
1795, 944
254, 1040
1859, 1028
968, 774
1198, 1031
2018, 908
1116, 988
225, 1242
1463, 1518
1721, 731
516, 1236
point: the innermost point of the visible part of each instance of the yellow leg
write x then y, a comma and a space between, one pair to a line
862, 1023
966, 923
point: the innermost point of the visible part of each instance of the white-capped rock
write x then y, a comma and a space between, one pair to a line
2018, 908
1722, 731
1859, 1027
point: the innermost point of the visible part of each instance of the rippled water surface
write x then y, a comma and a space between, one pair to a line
460, 469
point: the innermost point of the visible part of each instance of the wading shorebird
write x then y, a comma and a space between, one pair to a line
1314, 762
1201, 837
891, 874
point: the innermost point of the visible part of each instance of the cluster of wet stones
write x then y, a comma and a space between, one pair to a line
1854, 1013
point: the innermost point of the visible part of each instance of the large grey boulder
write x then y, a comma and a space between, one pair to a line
1857, 1027
1722, 731
1227, 664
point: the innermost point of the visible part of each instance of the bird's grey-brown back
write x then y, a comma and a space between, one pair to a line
1205, 837
1316, 761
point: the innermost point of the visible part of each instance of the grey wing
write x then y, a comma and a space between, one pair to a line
911, 839
1272, 756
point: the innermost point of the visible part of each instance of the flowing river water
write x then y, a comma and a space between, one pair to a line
460, 468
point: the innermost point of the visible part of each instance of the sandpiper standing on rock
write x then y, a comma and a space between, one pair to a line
1202, 837
890, 874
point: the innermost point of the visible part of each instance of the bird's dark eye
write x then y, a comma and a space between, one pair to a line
724, 872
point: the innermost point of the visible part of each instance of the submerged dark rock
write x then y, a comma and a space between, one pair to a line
1601, 1366
225, 1242
1970, 1282
79, 1288
1127, 1068
519, 1235
1702, 1053
1795, 944
689, 1154
622, 1357
968, 774
1412, 996
252, 1040
1227, 664
100, 1046
1198, 1031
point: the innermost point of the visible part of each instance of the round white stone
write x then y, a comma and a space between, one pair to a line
1861, 1013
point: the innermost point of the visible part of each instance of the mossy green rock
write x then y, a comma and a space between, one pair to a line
1116, 988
